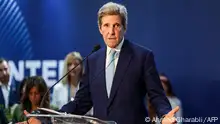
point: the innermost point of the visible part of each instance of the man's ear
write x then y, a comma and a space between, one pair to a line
100, 29
124, 31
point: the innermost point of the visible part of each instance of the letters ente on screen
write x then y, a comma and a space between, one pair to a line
51, 70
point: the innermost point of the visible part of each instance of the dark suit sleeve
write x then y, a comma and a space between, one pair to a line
14, 93
82, 102
154, 87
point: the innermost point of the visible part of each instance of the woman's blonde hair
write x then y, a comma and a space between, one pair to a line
75, 55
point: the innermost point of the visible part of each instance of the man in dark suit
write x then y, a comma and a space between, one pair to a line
118, 77
8, 88
129, 72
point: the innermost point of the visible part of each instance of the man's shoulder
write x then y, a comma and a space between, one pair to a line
14, 84
138, 48
98, 54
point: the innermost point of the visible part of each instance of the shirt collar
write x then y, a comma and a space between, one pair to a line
117, 48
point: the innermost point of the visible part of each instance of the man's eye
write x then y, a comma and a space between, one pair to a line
106, 25
118, 26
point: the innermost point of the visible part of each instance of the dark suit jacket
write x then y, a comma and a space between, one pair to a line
13, 95
135, 76
3, 119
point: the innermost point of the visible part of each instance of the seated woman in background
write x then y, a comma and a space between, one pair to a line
35, 88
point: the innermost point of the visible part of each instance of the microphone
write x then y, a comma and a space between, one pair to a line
95, 48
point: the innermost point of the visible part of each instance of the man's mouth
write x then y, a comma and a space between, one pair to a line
111, 38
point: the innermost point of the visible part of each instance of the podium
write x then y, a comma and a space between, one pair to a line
68, 119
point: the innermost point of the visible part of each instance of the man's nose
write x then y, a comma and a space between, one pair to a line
112, 30
4, 73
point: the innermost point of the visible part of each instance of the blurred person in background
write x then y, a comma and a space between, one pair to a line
65, 91
173, 99
35, 88
17, 114
8, 89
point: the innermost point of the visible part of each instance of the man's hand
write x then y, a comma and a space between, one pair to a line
169, 118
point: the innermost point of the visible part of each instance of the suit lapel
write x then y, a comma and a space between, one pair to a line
122, 66
101, 73
2, 100
13, 97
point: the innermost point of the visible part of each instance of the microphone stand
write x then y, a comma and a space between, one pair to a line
96, 48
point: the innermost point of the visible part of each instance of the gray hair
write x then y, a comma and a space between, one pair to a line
111, 8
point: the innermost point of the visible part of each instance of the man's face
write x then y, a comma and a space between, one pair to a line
112, 30
4, 72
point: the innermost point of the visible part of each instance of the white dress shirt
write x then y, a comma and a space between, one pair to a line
6, 91
117, 49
